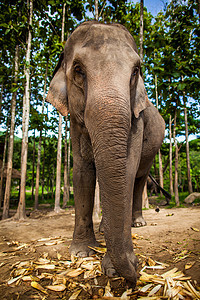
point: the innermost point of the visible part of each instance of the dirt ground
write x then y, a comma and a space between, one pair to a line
171, 236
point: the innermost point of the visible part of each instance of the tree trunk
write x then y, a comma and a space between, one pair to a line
11, 141
176, 162
68, 163
145, 200
40, 144
33, 170
96, 10
170, 157
1, 98
38, 172
52, 182
190, 190
66, 185
97, 207
141, 29
3, 165
43, 169
57, 208
21, 214
187, 153
159, 152
144, 194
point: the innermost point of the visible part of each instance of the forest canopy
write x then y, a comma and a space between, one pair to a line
32, 36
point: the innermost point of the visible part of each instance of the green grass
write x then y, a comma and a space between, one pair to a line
47, 198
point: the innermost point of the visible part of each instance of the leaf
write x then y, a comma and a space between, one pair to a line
37, 286
189, 265
125, 295
75, 295
59, 256
169, 273
98, 249
195, 229
42, 261
154, 290
56, 288
145, 288
151, 262
46, 267
75, 272
11, 281
30, 278
108, 290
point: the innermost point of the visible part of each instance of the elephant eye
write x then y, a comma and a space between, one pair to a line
78, 70
79, 75
135, 71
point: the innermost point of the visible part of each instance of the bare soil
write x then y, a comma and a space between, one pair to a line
171, 236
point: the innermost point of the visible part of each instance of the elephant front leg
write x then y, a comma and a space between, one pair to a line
84, 179
84, 187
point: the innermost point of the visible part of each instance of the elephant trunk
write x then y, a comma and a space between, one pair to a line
108, 120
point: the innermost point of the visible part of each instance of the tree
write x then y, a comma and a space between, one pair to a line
21, 214
11, 140
57, 208
170, 157
141, 29
66, 184
40, 143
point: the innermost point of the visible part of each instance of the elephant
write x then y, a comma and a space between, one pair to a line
115, 132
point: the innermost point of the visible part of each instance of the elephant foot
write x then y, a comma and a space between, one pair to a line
108, 268
81, 249
138, 222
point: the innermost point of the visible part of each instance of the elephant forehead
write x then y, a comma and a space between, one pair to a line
100, 37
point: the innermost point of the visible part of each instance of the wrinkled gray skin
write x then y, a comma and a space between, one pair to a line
115, 134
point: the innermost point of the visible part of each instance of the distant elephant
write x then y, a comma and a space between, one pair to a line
115, 133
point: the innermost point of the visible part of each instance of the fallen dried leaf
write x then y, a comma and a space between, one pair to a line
75, 295
189, 265
75, 272
108, 290
59, 256
98, 249
145, 288
154, 290
46, 267
11, 281
37, 286
56, 288
151, 262
125, 295
195, 229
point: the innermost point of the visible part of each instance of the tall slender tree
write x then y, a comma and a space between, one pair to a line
33, 170
170, 157
21, 213
40, 144
3, 165
66, 185
159, 152
176, 160
11, 140
57, 208
141, 28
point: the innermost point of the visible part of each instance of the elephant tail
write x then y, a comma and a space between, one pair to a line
165, 193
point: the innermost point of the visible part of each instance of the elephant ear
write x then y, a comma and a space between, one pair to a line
139, 97
57, 94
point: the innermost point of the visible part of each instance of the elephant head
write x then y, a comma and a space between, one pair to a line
98, 81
